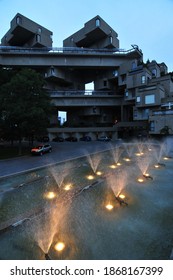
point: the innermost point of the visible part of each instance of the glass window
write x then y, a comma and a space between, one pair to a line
150, 99
105, 83
52, 71
138, 99
18, 20
115, 73
39, 30
143, 79
126, 93
152, 126
134, 65
38, 38
97, 22
154, 72
110, 39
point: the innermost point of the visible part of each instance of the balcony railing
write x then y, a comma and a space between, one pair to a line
75, 50
84, 93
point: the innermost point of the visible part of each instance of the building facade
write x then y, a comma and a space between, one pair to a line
128, 97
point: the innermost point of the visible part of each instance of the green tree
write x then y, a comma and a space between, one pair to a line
24, 106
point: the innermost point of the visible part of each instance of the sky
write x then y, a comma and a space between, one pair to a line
146, 23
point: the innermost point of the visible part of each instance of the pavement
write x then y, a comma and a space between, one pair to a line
60, 152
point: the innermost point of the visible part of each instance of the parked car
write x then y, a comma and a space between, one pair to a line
43, 139
104, 138
41, 149
71, 139
58, 139
85, 138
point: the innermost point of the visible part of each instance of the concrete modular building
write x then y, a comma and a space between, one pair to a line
128, 96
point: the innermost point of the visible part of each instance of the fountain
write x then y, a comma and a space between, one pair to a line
94, 161
79, 208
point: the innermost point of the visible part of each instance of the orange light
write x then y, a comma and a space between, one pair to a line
127, 159
99, 173
59, 246
109, 207
113, 166
90, 177
140, 180
122, 196
67, 187
50, 195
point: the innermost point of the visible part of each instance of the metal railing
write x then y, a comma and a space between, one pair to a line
76, 50
84, 93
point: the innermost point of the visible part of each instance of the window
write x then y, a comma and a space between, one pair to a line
97, 22
150, 99
110, 39
38, 38
52, 70
134, 65
18, 20
154, 72
126, 94
104, 83
39, 30
138, 99
115, 73
143, 79
152, 126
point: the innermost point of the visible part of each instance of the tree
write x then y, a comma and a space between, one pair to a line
24, 106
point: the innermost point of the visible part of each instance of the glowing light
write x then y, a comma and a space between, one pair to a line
138, 154
67, 187
113, 166
59, 246
165, 158
156, 166
109, 207
140, 180
122, 196
50, 195
127, 159
99, 173
90, 177
146, 174
118, 163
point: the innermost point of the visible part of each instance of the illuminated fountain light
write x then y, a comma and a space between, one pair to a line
67, 187
90, 177
98, 173
140, 180
127, 159
50, 195
157, 166
119, 163
139, 154
120, 199
122, 196
166, 158
147, 176
113, 166
109, 206
59, 246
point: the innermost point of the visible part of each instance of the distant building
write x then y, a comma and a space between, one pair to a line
129, 98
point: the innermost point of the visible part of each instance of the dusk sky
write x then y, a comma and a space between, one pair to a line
149, 24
